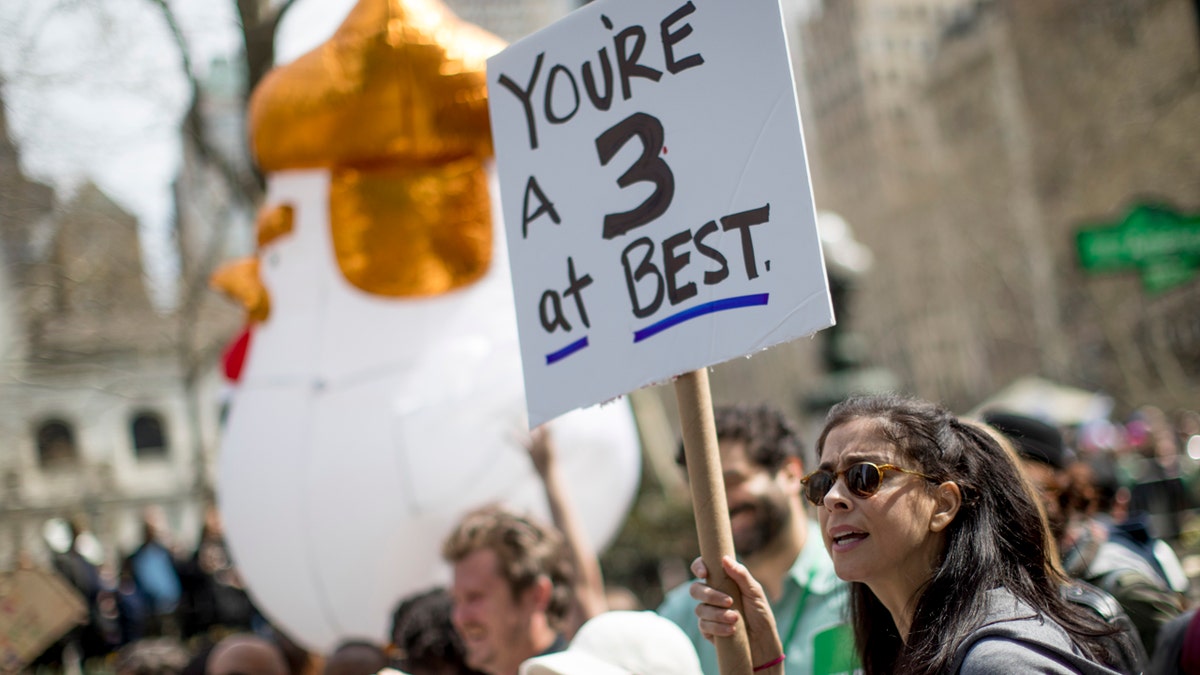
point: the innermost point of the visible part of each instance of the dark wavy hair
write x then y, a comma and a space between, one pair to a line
999, 538
424, 635
526, 550
769, 436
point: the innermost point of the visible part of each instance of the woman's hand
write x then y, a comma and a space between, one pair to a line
718, 618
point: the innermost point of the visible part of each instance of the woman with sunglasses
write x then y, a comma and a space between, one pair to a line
949, 557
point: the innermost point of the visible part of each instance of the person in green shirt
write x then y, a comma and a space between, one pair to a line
762, 467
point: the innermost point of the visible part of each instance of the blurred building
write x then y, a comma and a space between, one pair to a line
102, 412
966, 141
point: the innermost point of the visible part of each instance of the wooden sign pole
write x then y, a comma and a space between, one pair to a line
708, 501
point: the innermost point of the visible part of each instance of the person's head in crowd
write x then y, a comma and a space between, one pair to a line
246, 654
154, 524
78, 524
198, 664
1080, 494
511, 588
1167, 448
356, 657
925, 514
1150, 433
299, 660
156, 656
1137, 436
1111, 496
424, 638
762, 466
622, 643
212, 528
1187, 424
1044, 459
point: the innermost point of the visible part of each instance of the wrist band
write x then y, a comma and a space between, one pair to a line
773, 662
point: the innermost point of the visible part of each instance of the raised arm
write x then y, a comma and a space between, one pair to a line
589, 581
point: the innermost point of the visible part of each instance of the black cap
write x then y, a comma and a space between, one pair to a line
1034, 439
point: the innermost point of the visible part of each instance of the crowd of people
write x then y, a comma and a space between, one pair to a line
914, 540
158, 591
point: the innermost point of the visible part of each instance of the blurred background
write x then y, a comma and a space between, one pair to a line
1008, 196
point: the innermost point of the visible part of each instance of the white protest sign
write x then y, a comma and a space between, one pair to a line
655, 195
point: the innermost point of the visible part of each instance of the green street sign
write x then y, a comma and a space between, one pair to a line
1161, 244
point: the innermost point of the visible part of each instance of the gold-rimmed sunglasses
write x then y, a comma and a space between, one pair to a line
863, 479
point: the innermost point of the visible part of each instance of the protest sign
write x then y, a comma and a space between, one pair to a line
659, 215
655, 193
36, 608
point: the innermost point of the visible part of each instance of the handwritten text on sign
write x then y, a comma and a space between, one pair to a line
655, 195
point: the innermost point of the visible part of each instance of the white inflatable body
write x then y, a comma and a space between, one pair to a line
364, 426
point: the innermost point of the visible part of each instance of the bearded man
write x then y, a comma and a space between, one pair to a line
762, 468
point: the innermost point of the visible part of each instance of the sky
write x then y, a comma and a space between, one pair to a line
94, 92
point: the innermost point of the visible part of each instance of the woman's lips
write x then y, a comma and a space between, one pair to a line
845, 538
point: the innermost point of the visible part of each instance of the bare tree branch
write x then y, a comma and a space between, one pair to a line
259, 25
245, 186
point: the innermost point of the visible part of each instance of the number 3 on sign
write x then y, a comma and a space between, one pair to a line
650, 167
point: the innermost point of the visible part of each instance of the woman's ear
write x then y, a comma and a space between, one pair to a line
947, 500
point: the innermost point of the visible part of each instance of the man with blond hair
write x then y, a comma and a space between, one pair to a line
511, 588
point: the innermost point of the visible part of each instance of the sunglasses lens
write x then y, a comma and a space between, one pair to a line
863, 479
819, 484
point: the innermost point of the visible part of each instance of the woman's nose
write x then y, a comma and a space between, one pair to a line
838, 497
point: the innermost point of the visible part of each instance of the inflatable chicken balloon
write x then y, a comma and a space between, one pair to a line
381, 395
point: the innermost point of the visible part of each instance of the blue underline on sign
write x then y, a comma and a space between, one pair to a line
700, 310
570, 349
